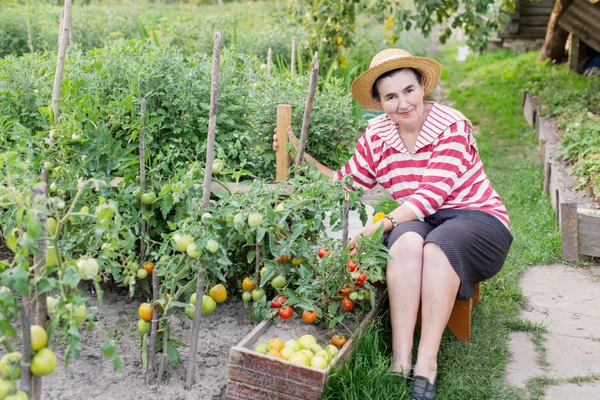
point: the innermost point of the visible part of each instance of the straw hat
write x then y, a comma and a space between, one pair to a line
388, 60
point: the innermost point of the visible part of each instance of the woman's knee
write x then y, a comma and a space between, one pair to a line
434, 258
408, 244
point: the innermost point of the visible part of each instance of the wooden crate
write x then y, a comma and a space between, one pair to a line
255, 376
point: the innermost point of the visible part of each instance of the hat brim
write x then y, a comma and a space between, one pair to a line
362, 86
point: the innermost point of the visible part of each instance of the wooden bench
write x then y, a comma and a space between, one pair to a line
460, 319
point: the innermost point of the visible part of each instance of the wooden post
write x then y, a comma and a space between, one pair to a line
569, 230
293, 63
573, 52
556, 36
142, 151
210, 149
154, 329
269, 61
282, 158
308, 108
26, 349
60, 65
40, 191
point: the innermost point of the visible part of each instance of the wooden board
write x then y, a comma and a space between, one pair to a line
588, 223
256, 376
529, 105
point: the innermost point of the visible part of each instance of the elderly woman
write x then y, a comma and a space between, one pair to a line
450, 230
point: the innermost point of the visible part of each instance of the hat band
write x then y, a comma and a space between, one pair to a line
390, 58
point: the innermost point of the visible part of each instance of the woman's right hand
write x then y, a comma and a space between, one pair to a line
291, 137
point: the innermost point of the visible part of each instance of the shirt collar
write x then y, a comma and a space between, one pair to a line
433, 126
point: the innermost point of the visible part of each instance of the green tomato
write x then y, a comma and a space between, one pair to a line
51, 225
278, 282
258, 294
53, 187
88, 268
141, 273
10, 365
238, 219
193, 298
79, 313
143, 326
208, 304
193, 251
254, 220
48, 165
279, 208
182, 241
51, 303
6, 387
217, 166
148, 197
44, 362
51, 260
212, 245
247, 296
353, 296
39, 337
20, 395
206, 218
190, 310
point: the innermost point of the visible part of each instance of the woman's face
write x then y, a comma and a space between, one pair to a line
401, 97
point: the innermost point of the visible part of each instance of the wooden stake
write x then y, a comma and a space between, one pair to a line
60, 64
308, 108
40, 191
345, 218
144, 226
293, 66
61, 21
210, 149
154, 329
282, 158
26, 349
269, 61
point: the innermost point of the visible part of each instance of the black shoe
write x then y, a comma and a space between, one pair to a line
422, 389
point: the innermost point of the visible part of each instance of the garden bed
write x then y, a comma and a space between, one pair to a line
255, 376
577, 213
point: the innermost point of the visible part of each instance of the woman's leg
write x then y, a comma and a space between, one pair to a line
439, 287
404, 291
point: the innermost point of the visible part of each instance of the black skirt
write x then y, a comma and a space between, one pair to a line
475, 243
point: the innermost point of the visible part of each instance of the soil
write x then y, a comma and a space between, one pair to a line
92, 377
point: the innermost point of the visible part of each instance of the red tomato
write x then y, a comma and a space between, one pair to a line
286, 313
278, 302
284, 258
338, 341
362, 278
148, 266
346, 290
323, 252
351, 265
309, 316
347, 305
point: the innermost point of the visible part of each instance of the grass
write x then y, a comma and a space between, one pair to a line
487, 89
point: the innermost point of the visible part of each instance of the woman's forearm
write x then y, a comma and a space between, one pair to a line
311, 160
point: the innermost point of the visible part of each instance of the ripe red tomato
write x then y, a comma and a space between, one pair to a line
286, 313
148, 266
347, 305
338, 341
283, 258
362, 278
309, 316
323, 252
351, 265
346, 290
278, 302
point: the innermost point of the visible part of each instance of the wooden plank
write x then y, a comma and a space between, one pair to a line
527, 32
460, 319
534, 20
569, 230
582, 19
529, 104
588, 224
244, 391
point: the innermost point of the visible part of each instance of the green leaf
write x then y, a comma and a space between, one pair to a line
173, 353
16, 279
178, 342
108, 348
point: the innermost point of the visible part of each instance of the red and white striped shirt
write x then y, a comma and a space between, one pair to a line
443, 172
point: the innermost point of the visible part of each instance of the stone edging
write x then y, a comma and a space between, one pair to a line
577, 214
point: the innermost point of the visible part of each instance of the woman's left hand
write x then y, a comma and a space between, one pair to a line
368, 230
